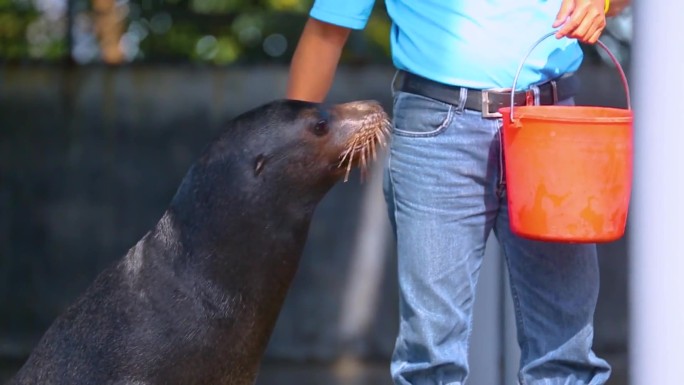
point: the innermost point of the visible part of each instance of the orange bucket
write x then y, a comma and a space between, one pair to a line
568, 169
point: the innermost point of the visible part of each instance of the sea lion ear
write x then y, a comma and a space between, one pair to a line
259, 164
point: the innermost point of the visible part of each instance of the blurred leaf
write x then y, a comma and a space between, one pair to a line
217, 32
216, 6
289, 5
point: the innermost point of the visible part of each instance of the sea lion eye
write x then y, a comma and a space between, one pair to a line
320, 128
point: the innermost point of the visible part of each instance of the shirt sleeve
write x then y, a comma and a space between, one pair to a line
352, 14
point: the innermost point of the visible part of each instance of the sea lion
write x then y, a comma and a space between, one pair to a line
196, 299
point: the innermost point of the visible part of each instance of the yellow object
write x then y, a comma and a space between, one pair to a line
606, 7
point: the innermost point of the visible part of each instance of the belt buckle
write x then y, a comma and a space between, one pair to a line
485, 104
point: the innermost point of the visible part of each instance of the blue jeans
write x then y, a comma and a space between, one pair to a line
445, 193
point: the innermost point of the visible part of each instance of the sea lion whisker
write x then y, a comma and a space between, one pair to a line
372, 150
363, 159
349, 164
343, 157
369, 149
364, 144
346, 153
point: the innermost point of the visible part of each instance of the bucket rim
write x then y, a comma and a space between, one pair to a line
550, 113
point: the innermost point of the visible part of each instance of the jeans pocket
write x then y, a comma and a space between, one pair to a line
419, 116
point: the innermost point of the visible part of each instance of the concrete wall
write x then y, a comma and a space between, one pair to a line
90, 157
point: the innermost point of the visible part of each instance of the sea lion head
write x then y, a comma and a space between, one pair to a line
288, 143
286, 154
320, 143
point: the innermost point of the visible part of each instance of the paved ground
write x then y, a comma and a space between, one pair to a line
341, 373
375, 373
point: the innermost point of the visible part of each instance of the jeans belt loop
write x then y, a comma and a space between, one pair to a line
529, 97
462, 97
485, 107
536, 94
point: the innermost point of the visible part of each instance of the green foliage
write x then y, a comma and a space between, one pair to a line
13, 26
217, 32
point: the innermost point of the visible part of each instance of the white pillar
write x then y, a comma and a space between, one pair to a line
656, 222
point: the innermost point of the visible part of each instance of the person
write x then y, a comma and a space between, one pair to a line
444, 181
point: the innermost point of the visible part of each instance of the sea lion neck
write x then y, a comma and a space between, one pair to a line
212, 223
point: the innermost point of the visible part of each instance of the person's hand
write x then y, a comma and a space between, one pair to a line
583, 20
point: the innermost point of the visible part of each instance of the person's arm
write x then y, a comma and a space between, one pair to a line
315, 60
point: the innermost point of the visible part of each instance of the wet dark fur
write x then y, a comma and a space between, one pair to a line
196, 299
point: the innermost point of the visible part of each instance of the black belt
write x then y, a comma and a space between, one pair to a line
488, 101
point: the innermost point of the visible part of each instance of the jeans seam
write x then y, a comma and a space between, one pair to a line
390, 173
518, 312
428, 134
501, 188
447, 121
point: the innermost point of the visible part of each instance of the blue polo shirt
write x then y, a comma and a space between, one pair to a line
468, 43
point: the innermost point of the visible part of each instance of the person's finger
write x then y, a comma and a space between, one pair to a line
595, 37
567, 6
594, 21
572, 23
587, 26
584, 22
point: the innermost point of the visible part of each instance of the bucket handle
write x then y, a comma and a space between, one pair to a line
600, 43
